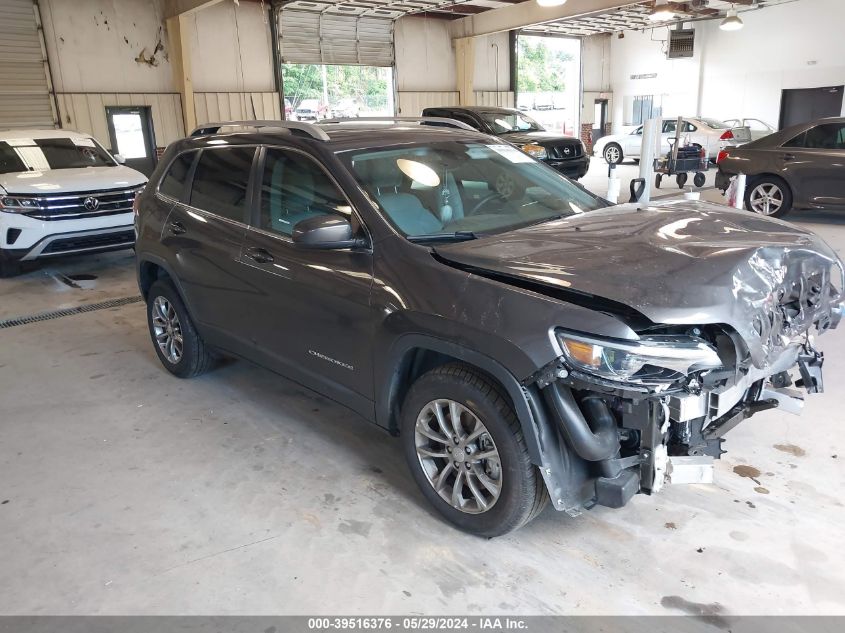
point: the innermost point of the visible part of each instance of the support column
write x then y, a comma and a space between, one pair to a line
180, 58
465, 66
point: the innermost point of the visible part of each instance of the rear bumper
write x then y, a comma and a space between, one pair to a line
723, 180
572, 168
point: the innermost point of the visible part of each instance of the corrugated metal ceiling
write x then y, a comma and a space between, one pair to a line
633, 17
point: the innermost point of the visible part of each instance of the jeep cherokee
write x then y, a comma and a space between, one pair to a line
525, 340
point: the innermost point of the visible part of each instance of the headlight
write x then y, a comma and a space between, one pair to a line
649, 360
537, 151
10, 204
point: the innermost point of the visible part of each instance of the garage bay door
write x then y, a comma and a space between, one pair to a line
24, 91
324, 38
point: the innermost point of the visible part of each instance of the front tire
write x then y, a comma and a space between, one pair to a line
176, 341
613, 154
466, 451
768, 195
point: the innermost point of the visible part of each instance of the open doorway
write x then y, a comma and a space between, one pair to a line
131, 135
320, 91
549, 81
599, 118
807, 104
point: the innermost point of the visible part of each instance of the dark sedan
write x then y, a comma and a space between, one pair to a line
564, 153
801, 167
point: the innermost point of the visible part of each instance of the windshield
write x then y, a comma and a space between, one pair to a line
506, 122
444, 188
43, 154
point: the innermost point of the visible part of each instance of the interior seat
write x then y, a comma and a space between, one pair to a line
405, 209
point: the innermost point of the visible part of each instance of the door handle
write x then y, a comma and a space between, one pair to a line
259, 255
177, 228
789, 157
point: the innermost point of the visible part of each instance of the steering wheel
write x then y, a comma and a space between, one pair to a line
489, 197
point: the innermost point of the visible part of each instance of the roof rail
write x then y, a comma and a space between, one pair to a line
311, 130
404, 119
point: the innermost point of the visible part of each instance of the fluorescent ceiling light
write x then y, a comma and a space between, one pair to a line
732, 22
551, 3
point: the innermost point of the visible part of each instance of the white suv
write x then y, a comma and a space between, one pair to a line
61, 192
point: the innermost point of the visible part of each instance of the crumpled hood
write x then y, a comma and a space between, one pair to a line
679, 262
540, 138
70, 180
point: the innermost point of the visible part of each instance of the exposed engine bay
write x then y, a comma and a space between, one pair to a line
655, 411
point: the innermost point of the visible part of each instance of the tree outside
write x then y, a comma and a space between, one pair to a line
548, 80
340, 90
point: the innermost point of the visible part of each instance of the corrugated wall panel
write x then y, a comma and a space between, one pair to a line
501, 99
235, 106
25, 99
413, 103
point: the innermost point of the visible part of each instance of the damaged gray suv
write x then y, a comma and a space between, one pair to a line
525, 340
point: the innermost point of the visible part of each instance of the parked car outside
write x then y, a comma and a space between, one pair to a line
566, 154
713, 135
347, 109
61, 192
801, 167
457, 292
290, 114
756, 127
312, 110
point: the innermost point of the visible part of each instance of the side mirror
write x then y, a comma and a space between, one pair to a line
120, 159
325, 232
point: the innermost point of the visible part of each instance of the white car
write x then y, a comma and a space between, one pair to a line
61, 192
711, 134
758, 128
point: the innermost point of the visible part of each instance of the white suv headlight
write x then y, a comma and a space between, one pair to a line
651, 359
11, 204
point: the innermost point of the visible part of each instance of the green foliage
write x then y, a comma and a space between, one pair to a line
366, 84
541, 69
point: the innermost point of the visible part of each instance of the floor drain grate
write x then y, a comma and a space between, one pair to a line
57, 314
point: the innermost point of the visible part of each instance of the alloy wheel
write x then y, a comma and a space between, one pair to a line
167, 329
458, 456
611, 154
766, 199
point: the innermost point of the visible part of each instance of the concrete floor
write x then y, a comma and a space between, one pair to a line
124, 490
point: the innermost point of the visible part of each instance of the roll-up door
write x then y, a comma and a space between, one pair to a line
24, 90
328, 38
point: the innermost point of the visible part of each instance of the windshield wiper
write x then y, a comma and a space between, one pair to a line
457, 236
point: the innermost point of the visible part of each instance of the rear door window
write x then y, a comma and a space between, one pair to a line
221, 181
827, 136
173, 182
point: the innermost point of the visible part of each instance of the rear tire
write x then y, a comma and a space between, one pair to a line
769, 196
176, 341
465, 494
